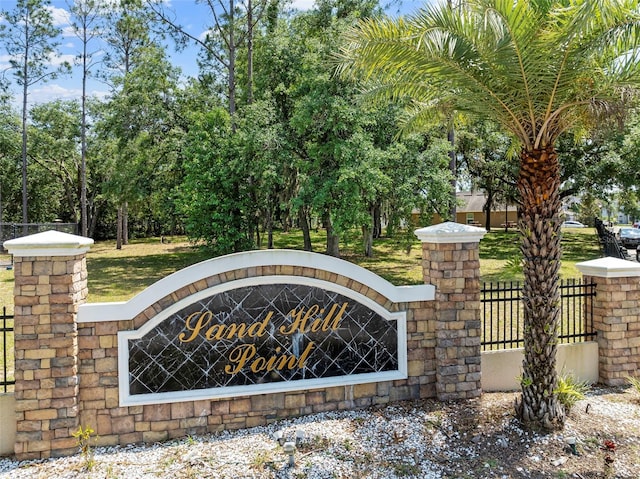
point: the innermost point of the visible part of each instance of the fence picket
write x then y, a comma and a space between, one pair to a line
6, 350
502, 321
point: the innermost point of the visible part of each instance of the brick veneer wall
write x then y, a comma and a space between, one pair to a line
48, 292
616, 320
454, 269
98, 358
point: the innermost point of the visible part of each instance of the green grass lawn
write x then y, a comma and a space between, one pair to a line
500, 255
117, 275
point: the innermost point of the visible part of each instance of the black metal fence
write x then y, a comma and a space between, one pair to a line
503, 314
610, 245
8, 379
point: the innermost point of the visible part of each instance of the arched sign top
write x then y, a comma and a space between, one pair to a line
93, 312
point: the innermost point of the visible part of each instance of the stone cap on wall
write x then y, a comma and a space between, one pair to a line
450, 232
48, 243
609, 268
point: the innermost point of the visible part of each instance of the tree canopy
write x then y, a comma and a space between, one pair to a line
306, 149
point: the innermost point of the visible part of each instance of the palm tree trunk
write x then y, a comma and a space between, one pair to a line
539, 224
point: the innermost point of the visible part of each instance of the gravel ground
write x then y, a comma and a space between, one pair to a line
422, 439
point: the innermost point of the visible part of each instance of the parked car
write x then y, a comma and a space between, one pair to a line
573, 224
629, 237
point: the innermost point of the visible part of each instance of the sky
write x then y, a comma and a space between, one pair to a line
191, 15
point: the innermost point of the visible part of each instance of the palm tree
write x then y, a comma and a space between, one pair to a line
538, 68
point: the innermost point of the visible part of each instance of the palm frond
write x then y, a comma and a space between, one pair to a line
537, 67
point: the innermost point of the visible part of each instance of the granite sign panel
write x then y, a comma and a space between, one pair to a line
264, 337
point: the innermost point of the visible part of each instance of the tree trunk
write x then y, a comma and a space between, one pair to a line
270, 227
231, 79
539, 224
119, 229
84, 224
487, 210
367, 241
377, 221
451, 137
303, 217
25, 95
369, 232
125, 223
249, 52
333, 242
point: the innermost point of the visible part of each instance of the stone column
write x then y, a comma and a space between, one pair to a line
616, 316
450, 262
50, 283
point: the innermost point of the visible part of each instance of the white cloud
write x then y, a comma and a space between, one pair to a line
60, 16
302, 4
54, 91
58, 60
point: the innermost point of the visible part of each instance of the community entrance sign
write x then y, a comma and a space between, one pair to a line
211, 335
235, 341
265, 334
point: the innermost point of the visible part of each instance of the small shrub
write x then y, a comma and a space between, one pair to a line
570, 390
634, 382
83, 438
514, 265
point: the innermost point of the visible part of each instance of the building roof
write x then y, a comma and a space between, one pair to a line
473, 202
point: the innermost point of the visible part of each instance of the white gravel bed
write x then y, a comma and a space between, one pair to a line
425, 440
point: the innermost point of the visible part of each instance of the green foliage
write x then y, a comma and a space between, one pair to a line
30, 37
525, 381
213, 196
488, 163
308, 146
514, 265
634, 382
533, 68
54, 134
570, 390
140, 129
83, 437
9, 163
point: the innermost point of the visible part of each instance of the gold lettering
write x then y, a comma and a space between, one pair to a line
300, 322
240, 355
335, 324
198, 323
288, 362
302, 361
244, 355
238, 330
258, 365
202, 320
261, 327
317, 323
215, 332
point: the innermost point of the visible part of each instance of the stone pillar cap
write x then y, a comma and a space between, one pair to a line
450, 232
48, 243
609, 267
